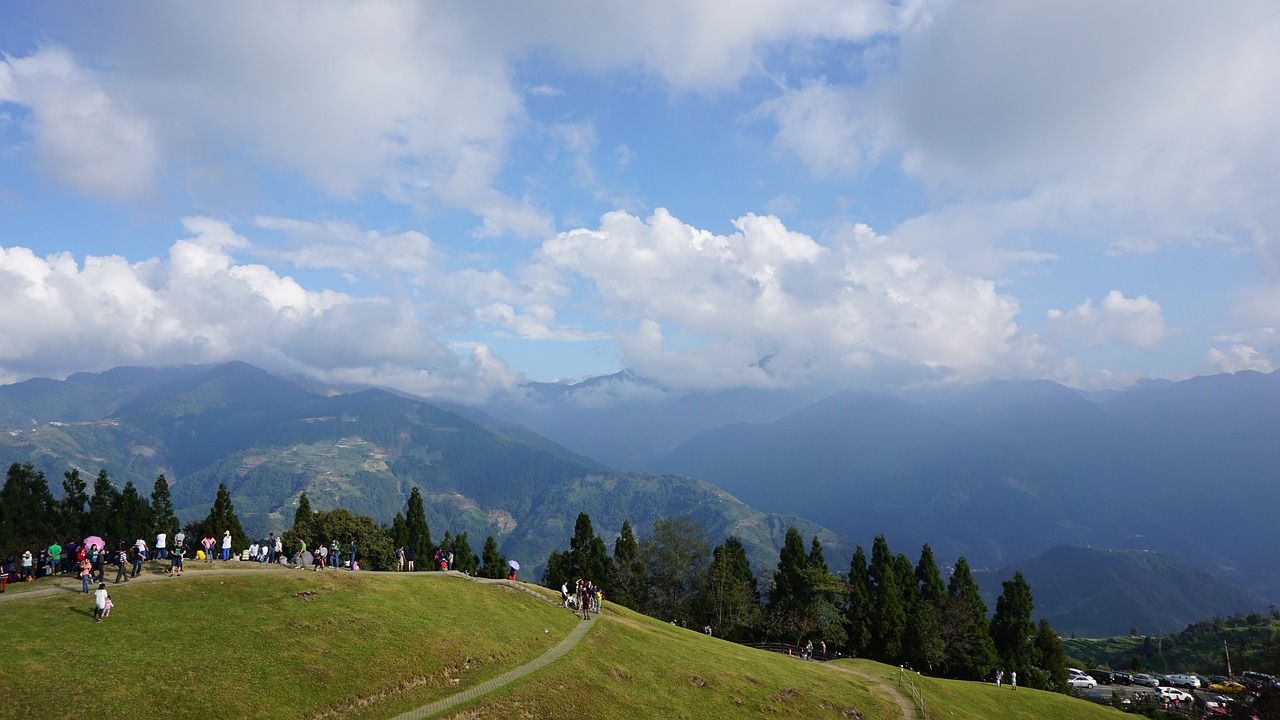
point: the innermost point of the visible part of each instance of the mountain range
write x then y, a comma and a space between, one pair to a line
998, 473
269, 440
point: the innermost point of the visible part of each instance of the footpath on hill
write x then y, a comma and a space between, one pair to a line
908, 708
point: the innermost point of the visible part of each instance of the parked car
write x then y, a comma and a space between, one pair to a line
1104, 677
1144, 679
1122, 678
1184, 681
1171, 694
1081, 682
1227, 686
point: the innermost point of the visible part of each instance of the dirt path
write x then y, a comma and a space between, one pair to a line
909, 710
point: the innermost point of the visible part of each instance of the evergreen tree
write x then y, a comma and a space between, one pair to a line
73, 516
1012, 630
415, 521
302, 516
493, 564
929, 578
28, 518
100, 503
162, 515
924, 646
131, 517
816, 560
399, 531
676, 555
788, 594
1052, 657
967, 653
222, 517
464, 560
628, 583
732, 600
858, 605
888, 613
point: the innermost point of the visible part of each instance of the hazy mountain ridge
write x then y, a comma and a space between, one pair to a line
269, 439
1009, 470
1103, 593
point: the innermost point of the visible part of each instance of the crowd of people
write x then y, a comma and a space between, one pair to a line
585, 597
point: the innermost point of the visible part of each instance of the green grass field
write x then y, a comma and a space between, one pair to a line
298, 644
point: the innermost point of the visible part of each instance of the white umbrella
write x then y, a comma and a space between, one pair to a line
513, 564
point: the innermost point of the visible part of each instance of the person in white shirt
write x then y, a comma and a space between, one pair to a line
100, 602
161, 553
226, 545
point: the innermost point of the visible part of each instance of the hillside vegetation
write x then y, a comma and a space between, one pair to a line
1253, 640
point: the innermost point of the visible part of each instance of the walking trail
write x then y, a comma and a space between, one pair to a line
908, 708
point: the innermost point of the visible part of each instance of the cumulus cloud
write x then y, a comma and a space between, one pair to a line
1235, 359
84, 136
1137, 322
201, 305
767, 306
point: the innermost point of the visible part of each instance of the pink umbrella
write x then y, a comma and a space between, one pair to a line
93, 540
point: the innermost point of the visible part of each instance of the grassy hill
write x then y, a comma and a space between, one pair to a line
295, 644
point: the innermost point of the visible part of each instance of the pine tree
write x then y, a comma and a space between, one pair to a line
1052, 657
858, 606
162, 515
419, 540
588, 556
628, 583
464, 560
732, 600
73, 516
816, 560
131, 517
1012, 630
929, 578
493, 564
967, 653
27, 514
100, 503
788, 594
888, 614
399, 531
222, 517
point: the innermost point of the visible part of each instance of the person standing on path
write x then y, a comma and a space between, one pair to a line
353, 553
226, 545
86, 569
409, 557
121, 557
161, 552
135, 556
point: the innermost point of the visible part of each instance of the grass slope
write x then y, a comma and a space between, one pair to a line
960, 700
296, 644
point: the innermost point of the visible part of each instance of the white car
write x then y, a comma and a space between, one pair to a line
1171, 694
1185, 681
1081, 682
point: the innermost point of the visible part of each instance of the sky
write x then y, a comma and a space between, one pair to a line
456, 198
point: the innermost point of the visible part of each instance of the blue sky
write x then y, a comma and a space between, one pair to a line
453, 198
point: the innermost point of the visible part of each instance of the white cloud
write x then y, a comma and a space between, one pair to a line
84, 137
769, 306
1138, 322
202, 305
1235, 359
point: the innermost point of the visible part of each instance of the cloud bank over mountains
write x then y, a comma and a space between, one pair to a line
450, 200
